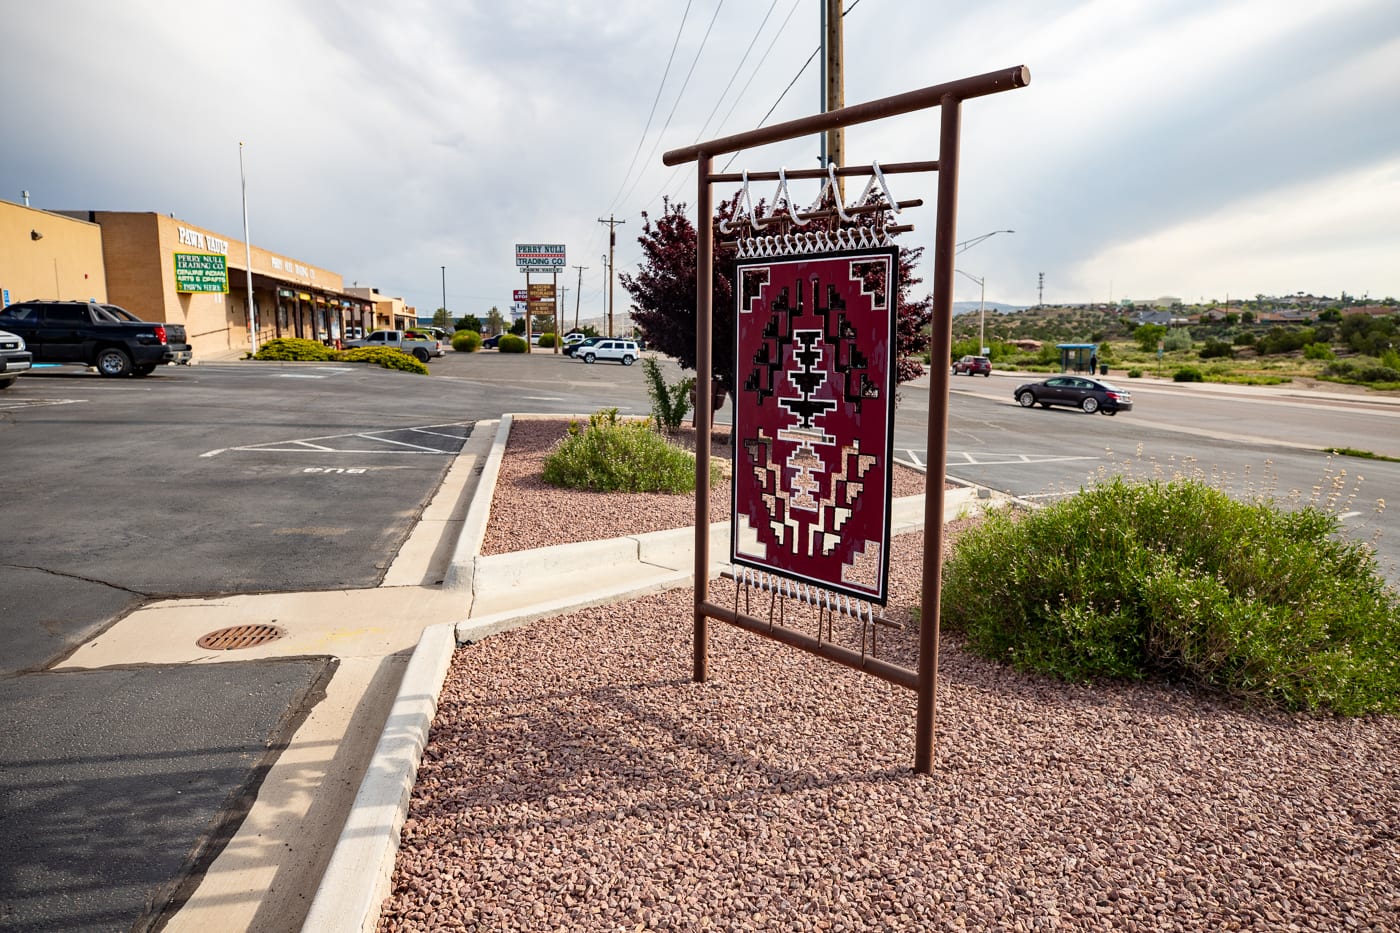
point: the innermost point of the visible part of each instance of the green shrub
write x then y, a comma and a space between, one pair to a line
387, 357
1188, 374
546, 341
1179, 338
668, 403
511, 343
1176, 580
1134, 374
1318, 351
1377, 374
295, 348
619, 456
1213, 348
466, 341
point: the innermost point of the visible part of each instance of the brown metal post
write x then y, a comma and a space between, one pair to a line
704, 374
940, 351
835, 90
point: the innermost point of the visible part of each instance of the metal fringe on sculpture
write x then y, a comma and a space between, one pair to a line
818, 241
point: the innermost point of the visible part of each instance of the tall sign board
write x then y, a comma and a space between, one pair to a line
539, 257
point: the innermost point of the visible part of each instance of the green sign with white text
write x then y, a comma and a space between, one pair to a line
201, 272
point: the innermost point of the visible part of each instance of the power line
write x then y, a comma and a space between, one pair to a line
737, 68
695, 61
844, 13
683, 172
659, 88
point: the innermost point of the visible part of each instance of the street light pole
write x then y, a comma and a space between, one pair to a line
444, 291
981, 311
966, 245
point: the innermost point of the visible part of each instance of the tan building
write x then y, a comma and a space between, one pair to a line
47, 255
145, 253
162, 268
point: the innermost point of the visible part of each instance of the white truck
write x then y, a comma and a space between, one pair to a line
424, 348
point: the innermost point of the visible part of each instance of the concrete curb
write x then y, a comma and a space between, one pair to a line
357, 879
462, 569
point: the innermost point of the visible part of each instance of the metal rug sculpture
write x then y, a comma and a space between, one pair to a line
814, 409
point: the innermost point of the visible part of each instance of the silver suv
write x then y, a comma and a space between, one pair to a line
14, 358
611, 348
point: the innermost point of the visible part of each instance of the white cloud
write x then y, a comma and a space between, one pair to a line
387, 141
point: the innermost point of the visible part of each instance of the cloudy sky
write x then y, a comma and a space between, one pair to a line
1196, 148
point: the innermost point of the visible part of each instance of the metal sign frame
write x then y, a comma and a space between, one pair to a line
948, 98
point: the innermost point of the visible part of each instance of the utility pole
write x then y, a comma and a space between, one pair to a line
612, 254
444, 291
833, 86
579, 295
1040, 292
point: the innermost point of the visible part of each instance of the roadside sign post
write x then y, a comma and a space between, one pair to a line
539, 257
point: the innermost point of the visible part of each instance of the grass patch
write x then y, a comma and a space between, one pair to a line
611, 455
1175, 580
1363, 454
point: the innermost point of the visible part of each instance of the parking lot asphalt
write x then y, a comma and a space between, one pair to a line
122, 783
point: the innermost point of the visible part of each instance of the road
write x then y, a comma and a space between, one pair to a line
1248, 440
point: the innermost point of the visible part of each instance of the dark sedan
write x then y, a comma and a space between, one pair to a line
1088, 395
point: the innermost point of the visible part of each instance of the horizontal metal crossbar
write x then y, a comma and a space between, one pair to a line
850, 171
963, 89
893, 673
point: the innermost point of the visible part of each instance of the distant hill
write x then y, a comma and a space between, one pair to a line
963, 307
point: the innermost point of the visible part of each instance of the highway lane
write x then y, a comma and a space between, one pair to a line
1247, 440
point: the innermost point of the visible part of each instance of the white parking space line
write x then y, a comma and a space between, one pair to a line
324, 372
19, 404
987, 458
390, 440
353, 443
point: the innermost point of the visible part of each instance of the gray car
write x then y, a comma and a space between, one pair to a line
15, 358
1088, 395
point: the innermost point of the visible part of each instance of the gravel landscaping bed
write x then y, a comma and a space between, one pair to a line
576, 779
527, 512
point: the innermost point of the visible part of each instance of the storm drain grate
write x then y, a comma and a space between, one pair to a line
240, 636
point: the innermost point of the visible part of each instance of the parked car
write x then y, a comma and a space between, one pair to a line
14, 358
424, 348
610, 348
491, 343
571, 349
1088, 395
973, 366
105, 336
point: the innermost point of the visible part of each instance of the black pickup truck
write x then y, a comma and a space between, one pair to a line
108, 337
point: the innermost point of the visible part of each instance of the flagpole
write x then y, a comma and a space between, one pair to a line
248, 254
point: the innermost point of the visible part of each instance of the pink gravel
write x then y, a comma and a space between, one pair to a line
577, 779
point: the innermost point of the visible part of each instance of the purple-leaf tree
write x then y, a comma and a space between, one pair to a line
663, 292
